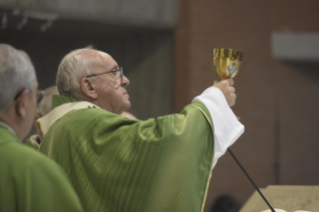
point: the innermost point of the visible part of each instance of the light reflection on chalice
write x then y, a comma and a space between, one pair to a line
226, 62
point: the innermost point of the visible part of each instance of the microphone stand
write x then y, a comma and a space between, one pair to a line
252, 182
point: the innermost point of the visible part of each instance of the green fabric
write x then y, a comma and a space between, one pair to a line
28, 143
118, 164
30, 182
58, 100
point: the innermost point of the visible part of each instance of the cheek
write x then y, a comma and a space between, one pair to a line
114, 83
108, 95
118, 98
33, 107
104, 90
35, 102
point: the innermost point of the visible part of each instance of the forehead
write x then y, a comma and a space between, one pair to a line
103, 60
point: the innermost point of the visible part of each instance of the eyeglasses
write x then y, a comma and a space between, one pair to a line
39, 95
116, 73
18, 94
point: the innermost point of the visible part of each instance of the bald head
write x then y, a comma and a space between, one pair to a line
76, 65
94, 76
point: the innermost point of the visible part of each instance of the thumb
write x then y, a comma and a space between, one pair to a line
231, 82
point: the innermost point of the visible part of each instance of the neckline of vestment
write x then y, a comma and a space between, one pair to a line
58, 112
8, 127
7, 135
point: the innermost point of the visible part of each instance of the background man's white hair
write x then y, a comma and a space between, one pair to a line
44, 107
16, 73
72, 69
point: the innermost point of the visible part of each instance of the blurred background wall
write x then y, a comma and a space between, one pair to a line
165, 48
139, 34
277, 93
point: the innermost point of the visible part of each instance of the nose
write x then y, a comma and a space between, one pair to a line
125, 81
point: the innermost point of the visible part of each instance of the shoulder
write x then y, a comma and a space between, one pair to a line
33, 181
89, 117
88, 113
26, 166
24, 158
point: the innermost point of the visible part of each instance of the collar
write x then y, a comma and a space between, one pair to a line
58, 100
59, 111
8, 127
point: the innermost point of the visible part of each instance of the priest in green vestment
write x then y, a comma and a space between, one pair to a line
120, 164
29, 181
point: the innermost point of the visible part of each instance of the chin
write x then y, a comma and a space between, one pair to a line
128, 105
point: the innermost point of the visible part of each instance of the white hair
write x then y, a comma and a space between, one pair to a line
44, 107
16, 73
72, 69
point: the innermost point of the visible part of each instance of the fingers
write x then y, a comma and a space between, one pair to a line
226, 86
230, 81
231, 99
231, 102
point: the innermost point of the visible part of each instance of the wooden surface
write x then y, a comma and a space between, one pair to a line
288, 198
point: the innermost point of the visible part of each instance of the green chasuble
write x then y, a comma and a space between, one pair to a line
119, 164
31, 182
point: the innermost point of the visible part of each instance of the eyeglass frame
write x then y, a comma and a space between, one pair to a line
40, 95
120, 70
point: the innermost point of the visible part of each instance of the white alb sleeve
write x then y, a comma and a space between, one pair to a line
227, 128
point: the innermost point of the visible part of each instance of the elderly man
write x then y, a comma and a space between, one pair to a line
43, 108
120, 164
29, 181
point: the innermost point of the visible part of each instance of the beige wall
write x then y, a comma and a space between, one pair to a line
277, 101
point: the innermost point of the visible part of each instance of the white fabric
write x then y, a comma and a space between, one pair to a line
46, 121
227, 128
7, 126
33, 140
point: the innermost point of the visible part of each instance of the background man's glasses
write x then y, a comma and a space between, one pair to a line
39, 95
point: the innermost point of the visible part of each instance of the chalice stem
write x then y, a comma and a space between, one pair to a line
252, 182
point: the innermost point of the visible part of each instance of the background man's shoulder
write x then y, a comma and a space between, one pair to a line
23, 158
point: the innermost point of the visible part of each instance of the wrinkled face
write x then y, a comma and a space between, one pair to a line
112, 94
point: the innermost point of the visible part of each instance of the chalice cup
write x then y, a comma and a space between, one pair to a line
226, 62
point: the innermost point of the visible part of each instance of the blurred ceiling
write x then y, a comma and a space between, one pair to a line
143, 13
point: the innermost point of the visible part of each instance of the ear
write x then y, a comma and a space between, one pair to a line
88, 89
20, 103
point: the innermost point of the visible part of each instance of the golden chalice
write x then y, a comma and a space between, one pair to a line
226, 62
